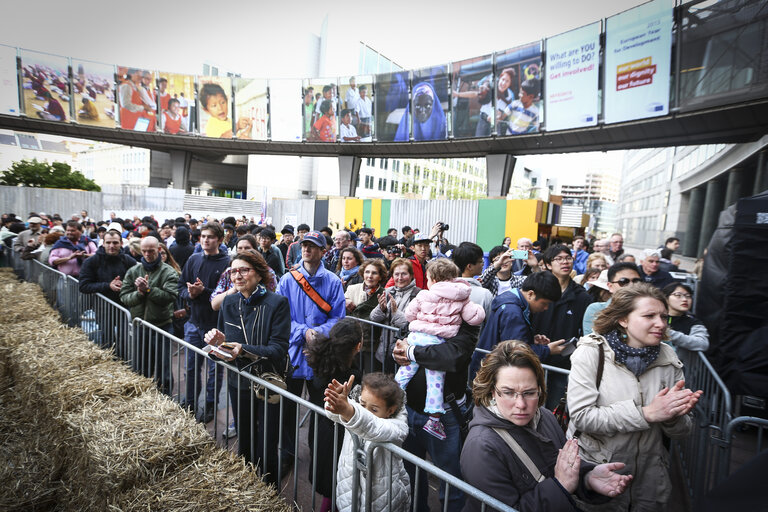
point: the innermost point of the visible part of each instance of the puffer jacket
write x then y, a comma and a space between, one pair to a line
403, 296
440, 310
612, 425
370, 428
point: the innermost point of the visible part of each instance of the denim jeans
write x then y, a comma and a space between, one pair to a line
445, 454
194, 337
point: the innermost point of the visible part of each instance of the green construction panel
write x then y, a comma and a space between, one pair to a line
491, 221
386, 204
367, 212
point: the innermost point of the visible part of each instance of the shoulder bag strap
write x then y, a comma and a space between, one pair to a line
311, 292
524, 458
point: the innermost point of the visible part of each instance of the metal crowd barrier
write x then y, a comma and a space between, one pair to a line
742, 423
386, 366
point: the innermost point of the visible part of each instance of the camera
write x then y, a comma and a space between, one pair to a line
443, 226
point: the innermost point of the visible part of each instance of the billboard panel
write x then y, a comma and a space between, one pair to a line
356, 115
9, 81
321, 115
214, 97
251, 108
572, 78
518, 90
638, 47
428, 106
136, 99
391, 102
176, 100
93, 88
472, 97
45, 85
285, 114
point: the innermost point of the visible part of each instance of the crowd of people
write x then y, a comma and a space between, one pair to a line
623, 330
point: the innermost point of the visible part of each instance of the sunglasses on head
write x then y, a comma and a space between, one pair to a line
624, 281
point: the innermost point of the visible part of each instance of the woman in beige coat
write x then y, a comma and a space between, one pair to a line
622, 414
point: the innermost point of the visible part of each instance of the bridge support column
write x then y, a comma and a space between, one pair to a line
349, 175
734, 187
499, 169
695, 210
181, 161
761, 183
713, 205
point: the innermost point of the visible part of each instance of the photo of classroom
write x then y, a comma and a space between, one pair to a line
45, 86
136, 98
93, 90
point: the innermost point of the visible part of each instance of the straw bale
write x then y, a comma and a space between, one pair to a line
21, 301
218, 481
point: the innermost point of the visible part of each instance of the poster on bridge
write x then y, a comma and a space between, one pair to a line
45, 85
9, 81
176, 101
572, 78
93, 90
638, 47
251, 108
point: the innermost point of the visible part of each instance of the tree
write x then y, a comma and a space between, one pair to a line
42, 174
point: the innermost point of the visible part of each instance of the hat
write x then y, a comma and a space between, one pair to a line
57, 228
35, 220
287, 229
652, 252
115, 226
303, 227
421, 237
316, 238
602, 280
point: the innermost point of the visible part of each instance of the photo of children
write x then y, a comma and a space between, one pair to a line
429, 102
173, 97
215, 97
251, 103
320, 108
93, 88
518, 94
9, 82
472, 97
356, 93
45, 85
136, 99
391, 103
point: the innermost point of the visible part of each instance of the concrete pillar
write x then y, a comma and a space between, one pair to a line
349, 175
499, 170
761, 183
695, 209
181, 162
713, 205
734, 187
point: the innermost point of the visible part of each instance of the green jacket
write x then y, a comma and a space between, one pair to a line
156, 307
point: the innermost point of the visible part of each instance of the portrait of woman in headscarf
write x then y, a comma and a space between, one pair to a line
428, 116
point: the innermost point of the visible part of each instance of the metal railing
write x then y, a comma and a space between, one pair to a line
741, 424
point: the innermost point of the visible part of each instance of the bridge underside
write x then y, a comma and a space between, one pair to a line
730, 124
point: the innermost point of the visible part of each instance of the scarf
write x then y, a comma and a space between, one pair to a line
636, 360
66, 243
151, 267
260, 291
346, 274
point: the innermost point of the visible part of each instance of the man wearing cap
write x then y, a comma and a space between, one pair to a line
617, 276
316, 299
651, 273
28, 237
286, 240
294, 251
421, 254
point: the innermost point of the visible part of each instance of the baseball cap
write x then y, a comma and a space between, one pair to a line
421, 238
35, 220
316, 238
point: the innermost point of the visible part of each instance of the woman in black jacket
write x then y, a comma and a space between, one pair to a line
255, 324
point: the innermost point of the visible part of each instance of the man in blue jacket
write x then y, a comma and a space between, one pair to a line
317, 303
510, 317
579, 255
198, 279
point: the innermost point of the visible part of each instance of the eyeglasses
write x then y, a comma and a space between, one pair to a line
530, 395
624, 281
563, 259
682, 295
242, 271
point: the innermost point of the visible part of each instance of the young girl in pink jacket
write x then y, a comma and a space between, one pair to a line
434, 315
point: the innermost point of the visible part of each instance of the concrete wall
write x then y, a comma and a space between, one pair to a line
22, 200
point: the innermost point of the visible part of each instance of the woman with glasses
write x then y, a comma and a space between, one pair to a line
626, 391
685, 330
516, 451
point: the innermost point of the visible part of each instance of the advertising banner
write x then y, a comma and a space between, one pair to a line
214, 97
9, 81
93, 87
391, 103
45, 85
136, 99
472, 97
572, 78
518, 90
428, 106
638, 47
176, 101
251, 108
285, 115
320, 109
356, 115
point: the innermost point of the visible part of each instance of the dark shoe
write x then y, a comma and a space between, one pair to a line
210, 412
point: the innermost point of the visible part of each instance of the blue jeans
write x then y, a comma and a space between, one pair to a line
444, 454
194, 337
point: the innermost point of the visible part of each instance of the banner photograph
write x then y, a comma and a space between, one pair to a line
176, 100
518, 90
391, 103
572, 78
214, 95
428, 107
45, 85
136, 99
638, 51
9, 81
286, 119
251, 104
356, 115
320, 108
93, 88
472, 97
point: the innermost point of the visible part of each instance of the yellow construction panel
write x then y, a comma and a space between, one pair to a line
336, 209
376, 217
353, 213
521, 221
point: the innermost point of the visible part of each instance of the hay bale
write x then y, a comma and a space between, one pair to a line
218, 481
22, 301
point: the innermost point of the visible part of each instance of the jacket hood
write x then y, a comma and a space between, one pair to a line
182, 235
216, 257
471, 281
453, 290
508, 297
